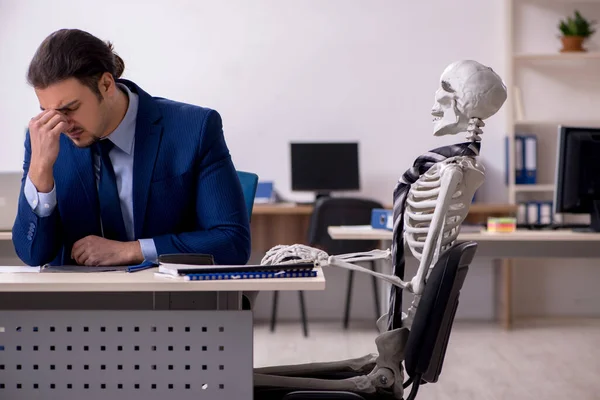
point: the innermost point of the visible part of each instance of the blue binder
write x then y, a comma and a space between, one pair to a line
529, 159
520, 160
519, 157
382, 219
264, 192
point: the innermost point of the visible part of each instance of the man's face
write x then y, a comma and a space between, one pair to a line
88, 116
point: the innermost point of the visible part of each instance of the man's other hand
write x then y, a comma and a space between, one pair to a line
94, 250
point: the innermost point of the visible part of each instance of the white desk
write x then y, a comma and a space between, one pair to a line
501, 246
145, 281
78, 347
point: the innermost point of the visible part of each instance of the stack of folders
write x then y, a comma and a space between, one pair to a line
206, 271
525, 159
536, 213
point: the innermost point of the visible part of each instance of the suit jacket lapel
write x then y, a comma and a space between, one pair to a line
147, 139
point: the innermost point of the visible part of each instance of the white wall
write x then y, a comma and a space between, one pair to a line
282, 71
277, 71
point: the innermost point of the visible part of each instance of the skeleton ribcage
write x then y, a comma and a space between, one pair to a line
420, 206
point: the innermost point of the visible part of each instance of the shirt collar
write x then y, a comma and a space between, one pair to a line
124, 134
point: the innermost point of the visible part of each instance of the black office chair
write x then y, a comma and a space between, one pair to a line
332, 211
429, 335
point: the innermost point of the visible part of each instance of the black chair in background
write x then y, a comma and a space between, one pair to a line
302, 312
428, 337
330, 211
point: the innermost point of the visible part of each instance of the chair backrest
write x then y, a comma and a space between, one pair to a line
340, 211
249, 182
430, 331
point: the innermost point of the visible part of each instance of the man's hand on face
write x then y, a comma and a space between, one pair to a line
44, 134
94, 250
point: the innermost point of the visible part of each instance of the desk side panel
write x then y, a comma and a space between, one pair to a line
126, 354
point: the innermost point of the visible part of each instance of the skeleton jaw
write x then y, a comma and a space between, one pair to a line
448, 121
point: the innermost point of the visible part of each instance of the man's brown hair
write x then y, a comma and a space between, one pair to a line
73, 53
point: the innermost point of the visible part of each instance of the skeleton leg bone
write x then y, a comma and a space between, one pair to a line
363, 364
386, 372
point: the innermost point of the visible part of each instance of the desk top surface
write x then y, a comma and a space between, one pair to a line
143, 281
367, 233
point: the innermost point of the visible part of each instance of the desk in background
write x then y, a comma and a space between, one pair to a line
505, 247
74, 336
287, 223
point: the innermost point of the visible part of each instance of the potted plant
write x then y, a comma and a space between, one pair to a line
575, 30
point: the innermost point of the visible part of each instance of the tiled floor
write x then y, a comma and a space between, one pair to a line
536, 360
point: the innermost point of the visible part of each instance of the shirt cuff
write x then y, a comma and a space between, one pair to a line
149, 250
42, 203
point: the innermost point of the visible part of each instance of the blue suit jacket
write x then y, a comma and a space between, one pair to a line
186, 193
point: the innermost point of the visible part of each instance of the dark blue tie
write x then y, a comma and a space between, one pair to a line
108, 195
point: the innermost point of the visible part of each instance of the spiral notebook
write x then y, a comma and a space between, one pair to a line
249, 275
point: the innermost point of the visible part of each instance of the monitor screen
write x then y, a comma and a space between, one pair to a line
578, 170
324, 167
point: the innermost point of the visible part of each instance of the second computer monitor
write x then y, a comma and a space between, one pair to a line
325, 167
578, 173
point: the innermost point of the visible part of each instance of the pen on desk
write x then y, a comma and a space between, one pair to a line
140, 267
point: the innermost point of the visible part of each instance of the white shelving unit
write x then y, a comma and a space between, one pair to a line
556, 56
537, 87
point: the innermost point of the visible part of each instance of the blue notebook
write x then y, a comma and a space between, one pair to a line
249, 275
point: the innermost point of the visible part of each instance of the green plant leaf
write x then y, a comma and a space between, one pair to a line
577, 25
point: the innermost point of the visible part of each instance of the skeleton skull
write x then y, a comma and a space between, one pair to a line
467, 90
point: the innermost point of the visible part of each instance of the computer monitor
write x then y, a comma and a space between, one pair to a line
325, 167
578, 173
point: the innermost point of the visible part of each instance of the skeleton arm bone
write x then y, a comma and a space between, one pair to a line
451, 176
337, 261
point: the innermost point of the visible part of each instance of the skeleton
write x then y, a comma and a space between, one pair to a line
435, 206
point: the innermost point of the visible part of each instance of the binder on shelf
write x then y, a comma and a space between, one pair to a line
522, 213
519, 157
533, 213
536, 213
519, 160
530, 159
545, 212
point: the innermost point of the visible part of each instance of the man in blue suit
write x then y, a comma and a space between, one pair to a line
114, 176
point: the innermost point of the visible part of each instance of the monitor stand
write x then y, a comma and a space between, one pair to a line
318, 195
321, 195
594, 219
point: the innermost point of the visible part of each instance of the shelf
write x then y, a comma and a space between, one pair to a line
581, 123
535, 188
547, 2
588, 55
